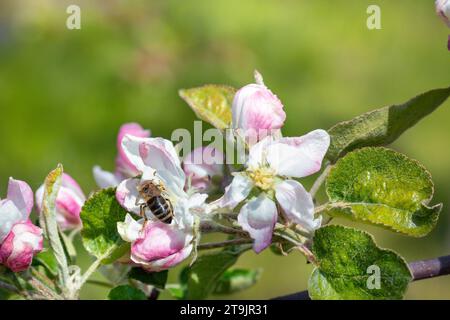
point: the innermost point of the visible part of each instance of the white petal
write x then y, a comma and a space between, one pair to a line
258, 218
186, 208
183, 217
9, 216
236, 192
157, 154
104, 179
297, 204
130, 229
299, 157
127, 195
258, 152
130, 146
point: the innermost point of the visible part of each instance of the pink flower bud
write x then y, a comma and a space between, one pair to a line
257, 112
201, 166
443, 10
123, 164
69, 202
160, 247
22, 243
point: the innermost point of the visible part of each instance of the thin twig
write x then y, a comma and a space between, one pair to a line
92, 268
44, 290
211, 226
43, 278
430, 268
214, 245
423, 269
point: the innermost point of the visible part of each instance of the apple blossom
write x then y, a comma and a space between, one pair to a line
124, 168
269, 170
19, 238
22, 243
69, 202
443, 10
156, 246
256, 112
157, 160
203, 167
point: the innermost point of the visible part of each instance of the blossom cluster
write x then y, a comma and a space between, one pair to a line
265, 190
262, 192
20, 239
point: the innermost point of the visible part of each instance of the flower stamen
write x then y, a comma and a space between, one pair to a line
263, 177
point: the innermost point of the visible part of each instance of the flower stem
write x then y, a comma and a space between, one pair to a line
44, 290
94, 266
211, 226
297, 240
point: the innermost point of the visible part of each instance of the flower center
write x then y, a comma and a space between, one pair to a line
263, 177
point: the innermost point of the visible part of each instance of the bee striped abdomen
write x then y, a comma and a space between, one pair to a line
161, 209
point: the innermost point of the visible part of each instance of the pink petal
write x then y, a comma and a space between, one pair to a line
21, 194
161, 247
123, 164
257, 111
21, 244
68, 208
169, 262
68, 182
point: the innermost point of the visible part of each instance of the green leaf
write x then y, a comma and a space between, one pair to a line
156, 279
126, 292
382, 126
47, 260
235, 280
385, 188
349, 262
49, 225
207, 270
177, 291
211, 103
100, 215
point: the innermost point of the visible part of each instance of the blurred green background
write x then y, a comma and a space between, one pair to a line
64, 93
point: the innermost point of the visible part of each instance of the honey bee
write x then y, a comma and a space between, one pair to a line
156, 201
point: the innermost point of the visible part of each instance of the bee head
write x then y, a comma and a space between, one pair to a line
149, 189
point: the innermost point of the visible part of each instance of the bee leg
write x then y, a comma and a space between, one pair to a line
145, 224
142, 211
